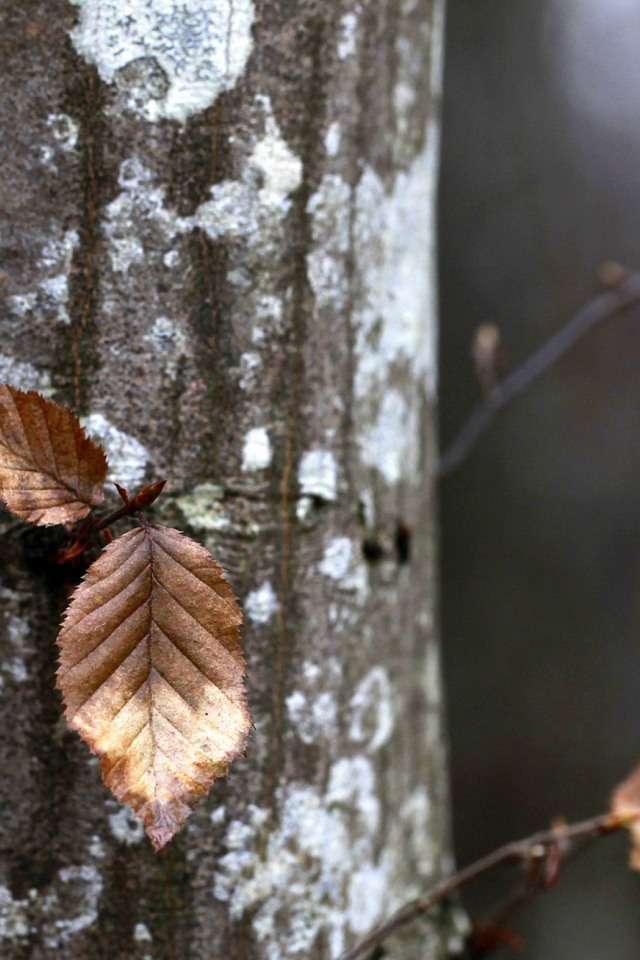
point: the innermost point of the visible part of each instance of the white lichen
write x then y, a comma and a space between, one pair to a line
332, 139
169, 342
46, 155
14, 922
340, 564
127, 457
280, 167
23, 375
432, 678
372, 721
432, 685
141, 933
169, 58
319, 844
367, 897
329, 208
256, 449
139, 206
21, 304
318, 474
390, 443
313, 718
64, 130
261, 604
368, 507
125, 827
313, 707
16, 669
56, 258
337, 558
249, 364
202, 507
87, 885
124, 251
50, 298
461, 928
394, 249
303, 506
394, 308
219, 815
325, 854
268, 314
330, 864
259, 201
352, 782
416, 815
142, 232
96, 848
347, 41
171, 258
20, 633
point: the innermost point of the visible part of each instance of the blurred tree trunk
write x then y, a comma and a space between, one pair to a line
218, 247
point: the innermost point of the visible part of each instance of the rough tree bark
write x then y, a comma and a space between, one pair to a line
217, 246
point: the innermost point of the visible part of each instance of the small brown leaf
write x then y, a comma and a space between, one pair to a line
151, 673
625, 807
50, 471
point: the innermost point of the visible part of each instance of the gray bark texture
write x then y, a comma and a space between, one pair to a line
217, 246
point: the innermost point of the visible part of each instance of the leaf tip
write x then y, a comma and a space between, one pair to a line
625, 813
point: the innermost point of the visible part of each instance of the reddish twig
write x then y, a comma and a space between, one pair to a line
540, 875
141, 501
82, 537
593, 312
532, 850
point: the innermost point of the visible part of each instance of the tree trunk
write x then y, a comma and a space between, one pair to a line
218, 248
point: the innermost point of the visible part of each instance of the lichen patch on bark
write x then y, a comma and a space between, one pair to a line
339, 880
197, 49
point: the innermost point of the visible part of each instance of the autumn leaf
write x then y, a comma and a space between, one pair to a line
50, 471
625, 806
151, 673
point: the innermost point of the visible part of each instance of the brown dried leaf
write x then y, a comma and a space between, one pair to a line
50, 471
151, 673
625, 806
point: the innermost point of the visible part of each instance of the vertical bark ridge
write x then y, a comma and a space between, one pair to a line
85, 101
311, 139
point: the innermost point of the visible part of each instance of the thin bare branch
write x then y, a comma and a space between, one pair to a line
528, 851
593, 312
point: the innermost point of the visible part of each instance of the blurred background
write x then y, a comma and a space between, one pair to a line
540, 527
